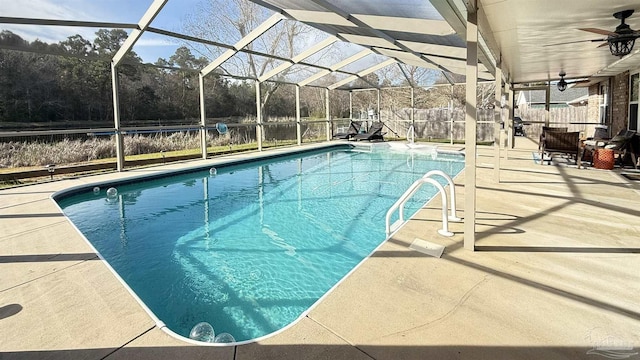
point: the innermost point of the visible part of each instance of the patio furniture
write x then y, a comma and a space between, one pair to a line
600, 136
374, 133
600, 133
546, 129
603, 159
353, 130
624, 144
634, 150
555, 142
518, 126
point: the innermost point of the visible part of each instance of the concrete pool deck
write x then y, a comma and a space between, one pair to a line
556, 275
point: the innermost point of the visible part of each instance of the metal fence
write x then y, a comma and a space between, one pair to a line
87, 145
37, 148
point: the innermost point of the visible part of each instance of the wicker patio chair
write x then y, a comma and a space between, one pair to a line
546, 129
624, 144
556, 142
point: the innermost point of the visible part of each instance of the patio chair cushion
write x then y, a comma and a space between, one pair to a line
620, 140
595, 143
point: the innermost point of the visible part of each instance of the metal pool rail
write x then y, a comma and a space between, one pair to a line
425, 179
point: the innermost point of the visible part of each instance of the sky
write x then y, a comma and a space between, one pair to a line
149, 47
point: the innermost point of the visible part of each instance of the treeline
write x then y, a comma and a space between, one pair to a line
70, 81
68, 84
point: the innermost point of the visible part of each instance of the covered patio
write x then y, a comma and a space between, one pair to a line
544, 265
554, 276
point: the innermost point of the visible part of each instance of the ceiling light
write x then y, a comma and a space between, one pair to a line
622, 40
562, 85
621, 45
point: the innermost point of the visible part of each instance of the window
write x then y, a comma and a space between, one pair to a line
634, 91
603, 103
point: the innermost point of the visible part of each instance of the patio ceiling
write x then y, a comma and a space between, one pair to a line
431, 34
523, 31
409, 31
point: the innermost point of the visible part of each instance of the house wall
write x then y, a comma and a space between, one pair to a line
521, 100
620, 103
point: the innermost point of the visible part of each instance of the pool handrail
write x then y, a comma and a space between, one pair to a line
411, 134
452, 192
426, 179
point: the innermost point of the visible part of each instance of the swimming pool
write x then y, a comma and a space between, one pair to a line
249, 249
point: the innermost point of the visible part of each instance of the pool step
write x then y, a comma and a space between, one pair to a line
396, 225
427, 247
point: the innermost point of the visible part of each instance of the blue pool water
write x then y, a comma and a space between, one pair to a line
252, 248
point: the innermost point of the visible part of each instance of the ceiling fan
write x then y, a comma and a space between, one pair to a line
563, 84
620, 41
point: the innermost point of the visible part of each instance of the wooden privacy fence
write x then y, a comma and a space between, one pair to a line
566, 115
446, 123
573, 118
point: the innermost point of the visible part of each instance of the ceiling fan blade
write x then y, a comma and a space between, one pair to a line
578, 81
575, 42
598, 31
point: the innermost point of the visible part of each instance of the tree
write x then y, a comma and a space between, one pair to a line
231, 20
186, 82
105, 45
75, 84
184, 59
244, 98
86, 75
417, 76
28, 88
